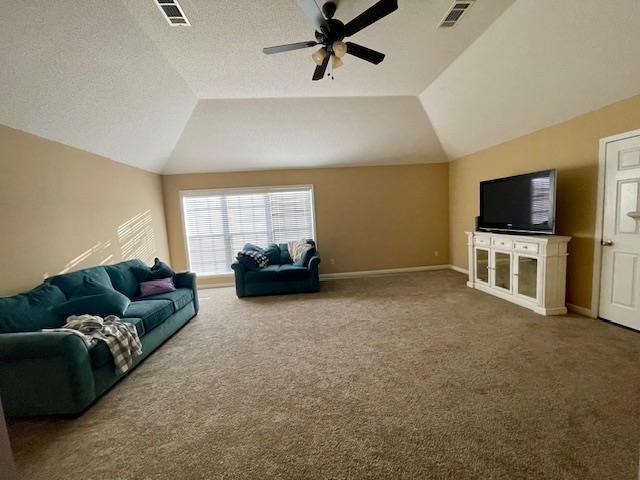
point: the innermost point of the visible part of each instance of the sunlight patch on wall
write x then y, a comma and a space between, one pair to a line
81, 260
136, 237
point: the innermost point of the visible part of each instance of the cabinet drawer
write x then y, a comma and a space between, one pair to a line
501, 242
482, 241
527, 247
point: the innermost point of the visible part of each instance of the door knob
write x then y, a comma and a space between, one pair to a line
607, 243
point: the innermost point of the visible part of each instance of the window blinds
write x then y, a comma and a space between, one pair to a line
218, 223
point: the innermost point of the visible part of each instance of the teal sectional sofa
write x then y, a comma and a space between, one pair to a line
45, 373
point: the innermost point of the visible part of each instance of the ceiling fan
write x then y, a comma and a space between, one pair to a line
330, 33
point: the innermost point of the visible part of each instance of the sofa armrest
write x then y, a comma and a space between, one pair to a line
314, 262
188, 280
238, 270
237, 267
45, 373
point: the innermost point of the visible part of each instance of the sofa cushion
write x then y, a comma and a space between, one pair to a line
32, 310
69, 282
180, 298
136, 322
100, 355
274, 273
266, 274
293, 272
152, 312
272, 252
123, 278
285, 258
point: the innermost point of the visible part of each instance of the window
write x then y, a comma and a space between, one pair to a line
217, 223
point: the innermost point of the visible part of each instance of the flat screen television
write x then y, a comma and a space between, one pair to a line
520, 204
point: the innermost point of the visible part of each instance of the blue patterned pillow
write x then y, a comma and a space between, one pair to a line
252, 260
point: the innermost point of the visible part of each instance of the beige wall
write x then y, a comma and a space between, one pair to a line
367, 218
62, 209
572, 148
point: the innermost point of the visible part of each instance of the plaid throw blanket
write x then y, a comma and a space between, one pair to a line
121, 338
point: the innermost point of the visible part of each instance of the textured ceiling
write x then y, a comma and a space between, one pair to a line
84, 74
113, 78
541, 63
231, 135
220, 55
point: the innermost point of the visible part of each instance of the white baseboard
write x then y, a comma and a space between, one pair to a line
587, 312
388, 271
216, 285
365, 273
459, 269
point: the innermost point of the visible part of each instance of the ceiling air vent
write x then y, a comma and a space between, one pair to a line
173, 12
455, 13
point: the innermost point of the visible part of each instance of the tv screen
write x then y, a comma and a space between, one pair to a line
519, 204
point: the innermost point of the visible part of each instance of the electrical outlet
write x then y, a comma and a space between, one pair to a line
436, 253
332, 261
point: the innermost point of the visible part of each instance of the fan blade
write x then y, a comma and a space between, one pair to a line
369, 16
321, 69
364, 53
314, 14
289, 47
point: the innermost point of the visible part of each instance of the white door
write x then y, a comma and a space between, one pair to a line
620, 281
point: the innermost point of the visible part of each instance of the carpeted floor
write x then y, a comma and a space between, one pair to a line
409, 376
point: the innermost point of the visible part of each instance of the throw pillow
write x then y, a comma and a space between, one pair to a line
102, 305
155, 287
94, 299
157, 271
272, 252
250, 247
257, 259
90, 287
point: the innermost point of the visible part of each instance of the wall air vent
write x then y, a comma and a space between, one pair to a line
455, 13
173, 12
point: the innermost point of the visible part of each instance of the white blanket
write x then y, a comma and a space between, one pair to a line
297, 248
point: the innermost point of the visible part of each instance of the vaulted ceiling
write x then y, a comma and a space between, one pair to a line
115, 79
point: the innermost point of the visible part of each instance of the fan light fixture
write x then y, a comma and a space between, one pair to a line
339, 49
319, 56
329, 33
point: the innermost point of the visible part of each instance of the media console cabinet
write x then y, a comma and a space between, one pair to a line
529, 270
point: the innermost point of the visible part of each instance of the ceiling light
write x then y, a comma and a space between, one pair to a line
336, 62
340, 49
319, 56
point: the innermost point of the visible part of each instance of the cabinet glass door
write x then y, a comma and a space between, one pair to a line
482, 265
528, 277
502, 270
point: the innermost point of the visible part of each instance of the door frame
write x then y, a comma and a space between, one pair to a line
599, 231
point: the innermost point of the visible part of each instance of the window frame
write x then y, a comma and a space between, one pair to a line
182, 194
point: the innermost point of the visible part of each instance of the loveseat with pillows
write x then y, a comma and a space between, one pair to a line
55, 372
276, 274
